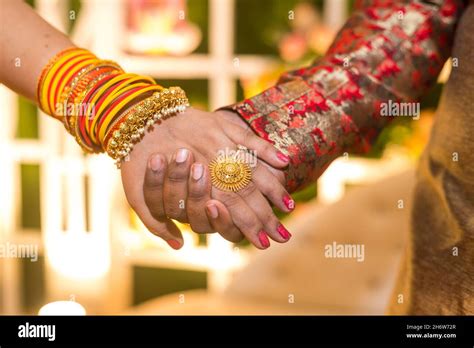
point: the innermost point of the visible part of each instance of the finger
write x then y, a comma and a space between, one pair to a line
165, 229
153, 185
262, 148
271, 188
150, 211
221, 221
199, 192
244, 218
176, 185
254, 198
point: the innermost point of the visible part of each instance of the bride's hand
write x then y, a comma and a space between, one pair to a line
203, 134
186, 184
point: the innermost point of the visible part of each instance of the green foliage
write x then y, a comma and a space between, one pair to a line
30, 196
27, 126
260, 24
151, 282
198, 14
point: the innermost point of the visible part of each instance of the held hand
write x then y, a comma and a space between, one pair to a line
204, 134
183, 178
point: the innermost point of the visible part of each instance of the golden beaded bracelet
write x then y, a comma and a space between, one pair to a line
160, 106
77, 76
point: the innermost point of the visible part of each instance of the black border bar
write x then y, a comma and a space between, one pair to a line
287, 330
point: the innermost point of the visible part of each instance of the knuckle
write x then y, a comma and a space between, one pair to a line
196, 194
267, 148
235, 237
177, 176
174, 212
247, 135
156, 212
153, 180
270, 219
229, 199
248, 190
251, 224
201, 228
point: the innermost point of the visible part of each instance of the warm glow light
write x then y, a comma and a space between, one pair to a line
62, 308
79, 255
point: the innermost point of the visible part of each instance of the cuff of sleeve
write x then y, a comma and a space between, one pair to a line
280, 116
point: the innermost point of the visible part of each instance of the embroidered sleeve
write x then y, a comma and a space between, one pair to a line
388, 51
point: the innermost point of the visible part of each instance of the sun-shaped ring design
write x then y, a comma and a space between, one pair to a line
230, 173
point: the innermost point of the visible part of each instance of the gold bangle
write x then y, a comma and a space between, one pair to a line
159, 106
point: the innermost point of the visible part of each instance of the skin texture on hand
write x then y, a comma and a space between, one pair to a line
204, 134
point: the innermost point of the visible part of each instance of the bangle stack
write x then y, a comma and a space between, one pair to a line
104, 108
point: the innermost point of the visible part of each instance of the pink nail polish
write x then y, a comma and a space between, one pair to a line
283, 232
282, 157
263, 238
289, 202
174, 243
212, 210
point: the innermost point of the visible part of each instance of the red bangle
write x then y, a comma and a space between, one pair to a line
51, 107
46, 70
55, 96
112, 105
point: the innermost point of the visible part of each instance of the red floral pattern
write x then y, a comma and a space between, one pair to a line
387, 50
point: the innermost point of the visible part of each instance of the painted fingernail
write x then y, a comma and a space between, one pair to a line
289, 202
182, 155
197, 170
155, 163
283, 232
174, 244
282, 157
212, 210
263, 238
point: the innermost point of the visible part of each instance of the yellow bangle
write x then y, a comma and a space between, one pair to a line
112, 97
78, 82
60, 78
101, 90
52, 72
79, 67
127, 103
120, 105
125, 87
98, 114
40, 90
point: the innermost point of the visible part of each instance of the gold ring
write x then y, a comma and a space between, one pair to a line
230, 173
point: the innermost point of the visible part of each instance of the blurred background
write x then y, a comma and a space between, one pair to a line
92, 248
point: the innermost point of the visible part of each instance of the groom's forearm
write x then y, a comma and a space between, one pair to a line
384, 52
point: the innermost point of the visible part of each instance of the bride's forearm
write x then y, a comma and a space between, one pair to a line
102, 106
27, 43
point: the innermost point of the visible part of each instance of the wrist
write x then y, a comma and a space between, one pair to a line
232, 116
103, 107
